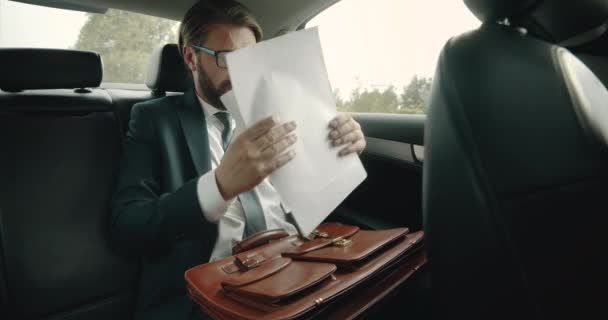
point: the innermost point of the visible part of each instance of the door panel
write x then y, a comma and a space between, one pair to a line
391, 195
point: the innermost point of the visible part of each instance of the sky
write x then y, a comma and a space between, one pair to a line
389, 44
24, 25
372, 47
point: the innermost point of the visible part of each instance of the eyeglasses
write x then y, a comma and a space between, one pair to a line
220, 56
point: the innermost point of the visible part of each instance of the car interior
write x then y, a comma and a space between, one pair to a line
505, 173
515, 165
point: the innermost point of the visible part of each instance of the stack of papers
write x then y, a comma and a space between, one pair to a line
286, 76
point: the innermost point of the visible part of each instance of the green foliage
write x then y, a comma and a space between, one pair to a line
412, 99
415, 94
125, 41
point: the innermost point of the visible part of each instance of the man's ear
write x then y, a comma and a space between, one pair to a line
189, 56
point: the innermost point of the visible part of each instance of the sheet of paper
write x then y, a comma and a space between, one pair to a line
286, 76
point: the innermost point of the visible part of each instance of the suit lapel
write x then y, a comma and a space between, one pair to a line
194, 126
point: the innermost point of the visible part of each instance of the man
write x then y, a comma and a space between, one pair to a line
187, 191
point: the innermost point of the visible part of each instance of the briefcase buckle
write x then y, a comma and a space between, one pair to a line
230, 268
337, 241
250, 262
341, 242
320, 234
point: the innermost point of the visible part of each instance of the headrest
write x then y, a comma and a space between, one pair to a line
24, 69
494, 10
166, 70
568, 23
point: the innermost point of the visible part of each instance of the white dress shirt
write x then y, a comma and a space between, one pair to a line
229, 214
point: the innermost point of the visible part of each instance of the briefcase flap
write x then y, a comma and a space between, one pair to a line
256, 274
334, 229
288, 279
355, 249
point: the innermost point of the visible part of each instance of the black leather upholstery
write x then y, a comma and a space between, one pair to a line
514, 186
58, 100
60, 152
166, 71
570, 23
48, 69
124, 100
54, 198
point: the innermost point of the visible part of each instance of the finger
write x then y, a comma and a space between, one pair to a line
352, 148
279, 146
278, 162
261, 127
275, 134
350, 137
339, 120
344, 129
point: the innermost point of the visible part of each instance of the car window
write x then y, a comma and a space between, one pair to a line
124, 40
381, 54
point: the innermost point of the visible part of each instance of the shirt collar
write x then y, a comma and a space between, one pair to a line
208, 109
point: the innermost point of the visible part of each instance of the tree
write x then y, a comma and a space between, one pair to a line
368, 100
415, 95
412, 100
125, 41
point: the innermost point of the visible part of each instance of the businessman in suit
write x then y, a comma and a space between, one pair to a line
188, 190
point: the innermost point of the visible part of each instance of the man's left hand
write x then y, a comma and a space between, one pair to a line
346, 132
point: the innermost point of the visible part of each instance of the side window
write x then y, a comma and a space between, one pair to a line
381, 54
124, 39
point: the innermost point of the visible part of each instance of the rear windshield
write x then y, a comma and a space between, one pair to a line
124, 39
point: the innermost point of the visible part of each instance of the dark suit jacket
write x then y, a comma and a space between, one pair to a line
156, 214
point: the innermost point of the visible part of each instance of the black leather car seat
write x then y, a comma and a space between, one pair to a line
166, 71
60, 143
165, 75
516, 173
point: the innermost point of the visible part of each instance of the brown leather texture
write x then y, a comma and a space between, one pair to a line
335, 229
259, 238
256, 274
294, 278
363, 244
283, 288
324, 236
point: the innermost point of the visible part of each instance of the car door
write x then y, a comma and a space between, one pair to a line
391, 194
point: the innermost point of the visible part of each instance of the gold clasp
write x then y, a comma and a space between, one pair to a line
341, 242
320, 234
337, 241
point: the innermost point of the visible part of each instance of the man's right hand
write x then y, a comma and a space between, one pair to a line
254, 155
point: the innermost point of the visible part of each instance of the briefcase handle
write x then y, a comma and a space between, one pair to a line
258, 239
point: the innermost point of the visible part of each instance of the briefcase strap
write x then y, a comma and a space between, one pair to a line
258, 239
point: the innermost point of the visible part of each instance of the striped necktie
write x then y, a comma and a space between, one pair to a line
254, 215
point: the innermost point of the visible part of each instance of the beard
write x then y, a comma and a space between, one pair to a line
210, 92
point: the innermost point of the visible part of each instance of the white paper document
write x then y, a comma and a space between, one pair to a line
286, 76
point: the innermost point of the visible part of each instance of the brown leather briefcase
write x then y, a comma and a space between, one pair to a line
276, 276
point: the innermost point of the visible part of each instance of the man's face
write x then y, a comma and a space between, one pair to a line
211, 81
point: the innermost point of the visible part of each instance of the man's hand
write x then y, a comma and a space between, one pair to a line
345, 131
254, 155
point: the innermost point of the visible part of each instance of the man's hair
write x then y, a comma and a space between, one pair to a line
197, 20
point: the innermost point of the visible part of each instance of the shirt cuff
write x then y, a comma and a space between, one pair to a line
211, 201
